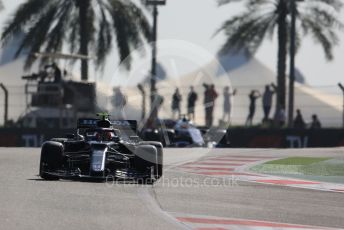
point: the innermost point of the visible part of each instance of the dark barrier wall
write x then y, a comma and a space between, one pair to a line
29, 137
239, 138
285, 138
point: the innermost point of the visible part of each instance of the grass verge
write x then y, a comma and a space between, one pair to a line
298, 160
302, 166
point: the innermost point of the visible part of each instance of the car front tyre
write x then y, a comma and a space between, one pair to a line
51, 159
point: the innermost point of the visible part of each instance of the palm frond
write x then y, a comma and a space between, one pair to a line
324, 17
73, 36
104, 39
122, 34
326, 40
128, 30
141, 20
57, 33
334, 4
37, 34
52, 25
224, 2
320, 20
23, 16
247, 31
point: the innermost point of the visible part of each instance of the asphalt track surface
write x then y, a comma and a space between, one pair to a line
27, 202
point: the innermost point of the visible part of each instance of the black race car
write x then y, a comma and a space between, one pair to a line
102, 149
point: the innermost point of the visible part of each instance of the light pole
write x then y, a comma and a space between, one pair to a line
6, 103
342, 88
154, 109
292, 62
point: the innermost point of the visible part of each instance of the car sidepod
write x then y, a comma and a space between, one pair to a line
146, 161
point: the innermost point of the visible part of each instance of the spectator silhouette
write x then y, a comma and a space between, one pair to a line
57, 72
227, 105
252, 108
43, 74
118, 101
158, 100
192, 98
299, 123
315, 122
280, 117
206, 103
176, 99
267, 100
210, 96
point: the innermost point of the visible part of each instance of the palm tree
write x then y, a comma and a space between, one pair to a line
260, 19
1, 5
82, 26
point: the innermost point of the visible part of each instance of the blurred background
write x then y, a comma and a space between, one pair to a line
188, 54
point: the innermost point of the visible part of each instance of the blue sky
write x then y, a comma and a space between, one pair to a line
195, 21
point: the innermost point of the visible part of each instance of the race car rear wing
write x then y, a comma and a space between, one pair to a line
125, 125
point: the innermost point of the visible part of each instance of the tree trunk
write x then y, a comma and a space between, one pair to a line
84, 6
292, 65
282, 56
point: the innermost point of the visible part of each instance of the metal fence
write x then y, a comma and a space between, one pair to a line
324, 100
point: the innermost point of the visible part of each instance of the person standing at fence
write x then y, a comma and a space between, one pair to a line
192, 98
267, 100
210, 96
315, 122
207, 104
213, 96
57, 72
280, 118
176, 99
227, 103
158, 100
118, 101
252, 107
299, 123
